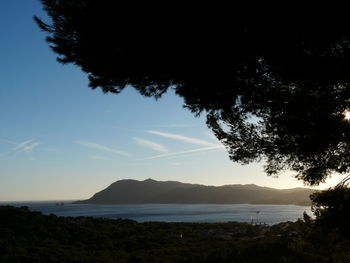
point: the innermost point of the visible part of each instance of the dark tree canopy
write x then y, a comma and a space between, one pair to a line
273, 80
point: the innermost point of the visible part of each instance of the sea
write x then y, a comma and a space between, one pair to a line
201, 213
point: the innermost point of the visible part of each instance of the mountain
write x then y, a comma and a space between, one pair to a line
170, 192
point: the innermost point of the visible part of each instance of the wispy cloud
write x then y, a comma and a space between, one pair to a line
174, 125
102, 148
29, 147
151, 145
99, 157
22, 145
216, 147
174, 157
26, 146
210, 135
183, 138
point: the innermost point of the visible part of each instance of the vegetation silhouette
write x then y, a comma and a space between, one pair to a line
273, 80
27, 236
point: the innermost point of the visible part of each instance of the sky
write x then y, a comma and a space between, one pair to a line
60, 140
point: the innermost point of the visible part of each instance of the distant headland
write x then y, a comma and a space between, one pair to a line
171, 192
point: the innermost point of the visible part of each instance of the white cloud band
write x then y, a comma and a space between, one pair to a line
151, 145
102, 148
183, 138
216, 147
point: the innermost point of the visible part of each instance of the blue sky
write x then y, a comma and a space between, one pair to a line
61, 140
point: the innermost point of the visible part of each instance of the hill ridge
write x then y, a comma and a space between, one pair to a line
130, 191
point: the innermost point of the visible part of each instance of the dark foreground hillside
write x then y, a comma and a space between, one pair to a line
27, 236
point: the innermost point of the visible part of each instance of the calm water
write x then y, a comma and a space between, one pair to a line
269, 214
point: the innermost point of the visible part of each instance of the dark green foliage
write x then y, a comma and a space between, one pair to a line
332, 209
27, 236
327, 237
285, 65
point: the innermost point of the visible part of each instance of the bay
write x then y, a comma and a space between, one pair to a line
210, 213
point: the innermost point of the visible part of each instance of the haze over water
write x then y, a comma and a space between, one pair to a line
268, 214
